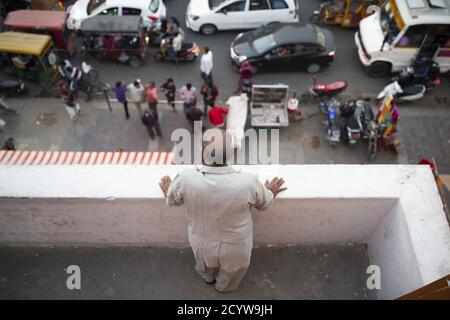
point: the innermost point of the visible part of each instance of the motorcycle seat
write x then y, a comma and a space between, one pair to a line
414, 89
336, 85
352, 123
186, 46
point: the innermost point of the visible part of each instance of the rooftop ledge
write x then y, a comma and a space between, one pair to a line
395, 209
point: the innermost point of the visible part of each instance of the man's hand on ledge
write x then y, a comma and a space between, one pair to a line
275, 185
165, 184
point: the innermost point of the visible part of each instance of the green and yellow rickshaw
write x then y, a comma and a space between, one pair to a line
28, 56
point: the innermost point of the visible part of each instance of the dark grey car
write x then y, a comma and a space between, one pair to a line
284, 46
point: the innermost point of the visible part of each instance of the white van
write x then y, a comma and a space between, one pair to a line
391, 38
208, 16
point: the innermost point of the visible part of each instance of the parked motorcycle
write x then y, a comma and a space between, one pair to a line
424, 71
11, 88
324, 90
189, 52
359, 122
333, 131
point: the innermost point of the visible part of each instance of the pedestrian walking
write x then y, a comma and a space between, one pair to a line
150, 121
217, 115
246, 73
193, 114
169, 90
119, 90
69, 99
209, 92
152, 97
206, 65
188, 94
136, 90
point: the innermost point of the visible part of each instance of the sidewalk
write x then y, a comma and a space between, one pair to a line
44, 124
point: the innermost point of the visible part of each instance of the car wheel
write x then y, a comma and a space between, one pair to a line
208, 29
379, 69
313, 68
135, 62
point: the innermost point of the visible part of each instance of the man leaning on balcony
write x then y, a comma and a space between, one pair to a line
218, 199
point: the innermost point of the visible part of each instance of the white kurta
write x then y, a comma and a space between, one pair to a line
218, 202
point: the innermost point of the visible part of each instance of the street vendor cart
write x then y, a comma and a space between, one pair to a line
268, 107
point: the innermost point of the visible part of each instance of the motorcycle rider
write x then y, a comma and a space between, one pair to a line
177, 43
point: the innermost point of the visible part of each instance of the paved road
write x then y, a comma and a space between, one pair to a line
424, 126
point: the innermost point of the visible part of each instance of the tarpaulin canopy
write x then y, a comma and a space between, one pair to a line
36, 19
112, 24
24, 43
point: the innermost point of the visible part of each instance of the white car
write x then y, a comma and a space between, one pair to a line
208, 16
150, 10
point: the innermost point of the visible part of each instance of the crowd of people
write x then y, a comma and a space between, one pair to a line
145, 96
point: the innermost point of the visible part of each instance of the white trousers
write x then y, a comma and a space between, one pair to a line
73, 111
224, 281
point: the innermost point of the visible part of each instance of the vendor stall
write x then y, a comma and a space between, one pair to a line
268, 107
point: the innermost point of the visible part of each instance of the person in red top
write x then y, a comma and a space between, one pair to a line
217, 115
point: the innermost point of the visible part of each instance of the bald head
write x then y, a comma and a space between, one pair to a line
217, 149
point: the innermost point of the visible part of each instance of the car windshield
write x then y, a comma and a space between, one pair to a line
154, 5
214, 4
94, 4
320, 35
389, 23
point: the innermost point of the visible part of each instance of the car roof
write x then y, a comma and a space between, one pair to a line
129, 3
36, 19
112, 24
414, 12
286, 33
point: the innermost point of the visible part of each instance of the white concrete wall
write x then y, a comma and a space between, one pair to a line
395, 209
391, 249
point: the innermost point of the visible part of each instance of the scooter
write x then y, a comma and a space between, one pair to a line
413, 81
189, 52
325, 90
333, 131
403, 93
12, 88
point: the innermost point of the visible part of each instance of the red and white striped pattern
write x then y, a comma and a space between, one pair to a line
28, 158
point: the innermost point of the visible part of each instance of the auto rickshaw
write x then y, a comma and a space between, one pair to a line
121, 38
28, 56
347, 13
48, 22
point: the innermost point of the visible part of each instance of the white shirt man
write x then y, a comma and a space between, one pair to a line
206, 65
136, 91
177, 42
218, 200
